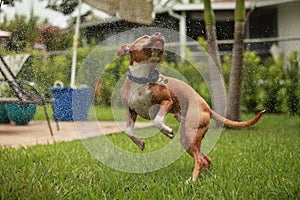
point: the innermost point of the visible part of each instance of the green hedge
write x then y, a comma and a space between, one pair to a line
268, 84
57, 65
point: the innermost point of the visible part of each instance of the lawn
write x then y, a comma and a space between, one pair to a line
261, 162
101, 113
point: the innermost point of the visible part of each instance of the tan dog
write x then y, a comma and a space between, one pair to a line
145, 87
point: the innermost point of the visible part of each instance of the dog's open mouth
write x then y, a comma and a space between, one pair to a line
159, 45
155, 46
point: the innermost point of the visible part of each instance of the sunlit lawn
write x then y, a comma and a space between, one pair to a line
96, 113
261, 162
103, 113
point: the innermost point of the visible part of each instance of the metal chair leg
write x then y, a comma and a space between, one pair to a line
48, 120
54, 117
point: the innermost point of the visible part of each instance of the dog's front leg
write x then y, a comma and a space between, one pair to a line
165, 107
130, 120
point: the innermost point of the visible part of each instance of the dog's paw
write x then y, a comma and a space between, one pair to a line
171, 134
138, 141
164, 129
168, 132
189, 181
141, 145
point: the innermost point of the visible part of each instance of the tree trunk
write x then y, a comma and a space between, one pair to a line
236, 72
217, 87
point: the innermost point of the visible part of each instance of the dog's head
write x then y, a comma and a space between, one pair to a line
145, 48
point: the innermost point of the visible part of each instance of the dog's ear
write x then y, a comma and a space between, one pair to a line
123, 50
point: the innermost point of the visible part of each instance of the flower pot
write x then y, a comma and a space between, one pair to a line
20, 114
71, 104
3, 115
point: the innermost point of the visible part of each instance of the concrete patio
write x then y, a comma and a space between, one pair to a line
37, 132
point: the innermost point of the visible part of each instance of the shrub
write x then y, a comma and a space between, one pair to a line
109, 78
252, 67
251, 78
292, 82
272, 85
226, 69
57, 67
272, 75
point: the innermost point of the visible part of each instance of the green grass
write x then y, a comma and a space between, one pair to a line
102, 113
261, 162
97, 112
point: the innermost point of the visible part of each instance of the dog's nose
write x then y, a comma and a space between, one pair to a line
158, 36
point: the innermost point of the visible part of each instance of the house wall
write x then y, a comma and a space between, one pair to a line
289, 25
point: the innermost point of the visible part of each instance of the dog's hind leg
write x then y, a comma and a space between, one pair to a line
202, 162
191, 139
130, 121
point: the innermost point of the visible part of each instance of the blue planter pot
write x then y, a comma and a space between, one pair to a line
71, 104
20, 114
3, 115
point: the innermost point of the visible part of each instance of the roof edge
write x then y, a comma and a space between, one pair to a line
229, 5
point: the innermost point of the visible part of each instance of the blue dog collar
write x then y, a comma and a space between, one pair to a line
153, 77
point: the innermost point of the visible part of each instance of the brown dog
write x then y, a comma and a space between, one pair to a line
145, 87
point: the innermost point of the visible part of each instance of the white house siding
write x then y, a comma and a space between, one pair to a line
289, 26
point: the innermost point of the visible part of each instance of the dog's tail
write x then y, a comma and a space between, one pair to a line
234, 124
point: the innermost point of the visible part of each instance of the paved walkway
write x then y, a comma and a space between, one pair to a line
37, 132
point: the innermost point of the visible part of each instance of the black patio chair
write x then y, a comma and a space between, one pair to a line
26, 92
